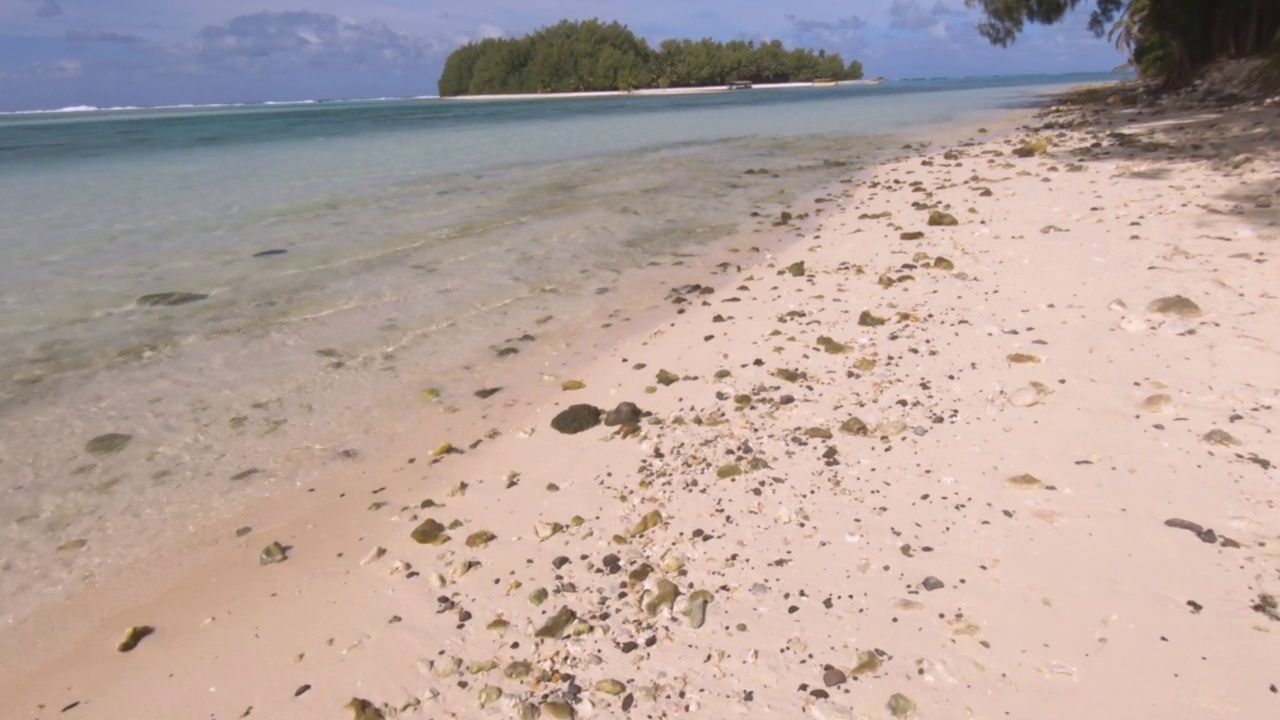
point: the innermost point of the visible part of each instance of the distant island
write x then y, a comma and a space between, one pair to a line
591, 56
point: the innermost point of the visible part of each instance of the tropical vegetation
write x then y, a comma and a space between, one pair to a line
1168, 40
573, 56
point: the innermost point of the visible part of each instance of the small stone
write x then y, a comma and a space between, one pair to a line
662, 597
273, 553
362, 709
867, 319
900, 705
1176, 306
939, 218
486, 393
625, 413
545, 530
1025, 482
576, 419
1025, 397
1023, 359
480, 539
169, 299
696, 608
831, 346
558, 709
788, 375
374, 556
1157, 403
489, 695
868, 662
133, 636
667, 378
430, 532
611, 687
108, 444
554, 628
442, 449
651, 519
832, 677
537, 597
854, 426
1220, 437
571, 385
932, 583
818, 433
941, 263
914, 235
725, 472
796, 269
518, 670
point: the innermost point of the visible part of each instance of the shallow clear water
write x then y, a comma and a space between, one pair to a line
419, 236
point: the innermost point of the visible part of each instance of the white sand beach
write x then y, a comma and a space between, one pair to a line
987, 432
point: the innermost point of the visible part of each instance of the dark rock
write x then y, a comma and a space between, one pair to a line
796, 269
576, 419
167, 299
666, 377
270, 253
833, 677
107, 444
273, 553
932, 583
917, 235
625, 413
939, 218
487, 393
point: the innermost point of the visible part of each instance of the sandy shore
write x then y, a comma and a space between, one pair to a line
1015, 466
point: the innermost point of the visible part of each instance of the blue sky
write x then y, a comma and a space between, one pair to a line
59, 53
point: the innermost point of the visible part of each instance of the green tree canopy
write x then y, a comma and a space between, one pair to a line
1166, 39
590, 55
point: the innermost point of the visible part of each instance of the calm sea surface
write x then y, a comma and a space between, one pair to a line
415, 235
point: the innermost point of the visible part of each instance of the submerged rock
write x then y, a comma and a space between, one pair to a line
796, 269
854, 426
558, 709
480, 539
868, 662
576, 419
107, 444
169, 299
667, 378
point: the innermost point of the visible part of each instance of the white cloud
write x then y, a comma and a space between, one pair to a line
836, 33
911, 15
99, 36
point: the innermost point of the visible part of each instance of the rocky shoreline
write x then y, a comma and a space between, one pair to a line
991, 434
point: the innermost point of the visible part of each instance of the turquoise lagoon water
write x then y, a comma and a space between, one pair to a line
418, 234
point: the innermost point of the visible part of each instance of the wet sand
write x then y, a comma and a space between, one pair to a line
988, 432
